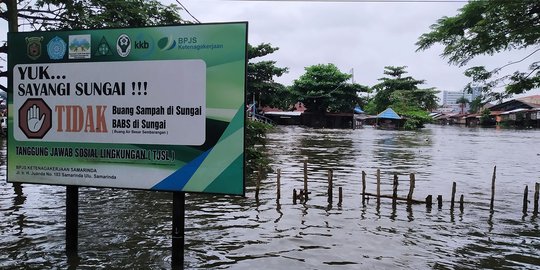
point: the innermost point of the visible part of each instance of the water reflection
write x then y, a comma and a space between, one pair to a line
122, 229
18, 201
410, 215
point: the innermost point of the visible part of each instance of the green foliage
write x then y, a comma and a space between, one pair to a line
415, 119
476, 105
487, 28
363, 101
256, 145
324, 88
485, 117
504, 124
403, 95
397, 90
371, 108
260, 79
462, 101
283, 98
262, 87
85, 14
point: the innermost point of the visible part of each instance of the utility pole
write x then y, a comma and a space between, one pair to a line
12, 18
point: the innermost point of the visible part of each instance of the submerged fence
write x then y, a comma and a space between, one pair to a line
302, 195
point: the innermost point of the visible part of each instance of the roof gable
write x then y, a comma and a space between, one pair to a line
388, 114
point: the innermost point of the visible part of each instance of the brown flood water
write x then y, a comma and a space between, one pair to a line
123, 229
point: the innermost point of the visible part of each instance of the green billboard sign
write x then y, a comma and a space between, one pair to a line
154, 108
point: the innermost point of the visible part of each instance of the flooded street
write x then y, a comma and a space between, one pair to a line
123, 229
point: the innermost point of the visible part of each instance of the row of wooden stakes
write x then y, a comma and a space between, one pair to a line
303, 194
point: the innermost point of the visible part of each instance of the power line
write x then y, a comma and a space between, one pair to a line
184, 7
362, 1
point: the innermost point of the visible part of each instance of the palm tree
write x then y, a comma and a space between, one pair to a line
462, 101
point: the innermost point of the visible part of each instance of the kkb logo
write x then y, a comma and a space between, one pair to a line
142, 44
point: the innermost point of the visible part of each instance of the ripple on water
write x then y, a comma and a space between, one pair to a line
122, 229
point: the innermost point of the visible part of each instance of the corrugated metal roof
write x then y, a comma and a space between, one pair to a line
357, 109
534, 100
515, 111
284, 113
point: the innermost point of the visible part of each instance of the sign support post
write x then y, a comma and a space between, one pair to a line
178, 224
72, 220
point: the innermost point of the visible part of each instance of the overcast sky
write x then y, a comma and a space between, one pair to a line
364, 36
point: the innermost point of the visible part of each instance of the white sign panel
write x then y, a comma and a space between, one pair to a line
137, 102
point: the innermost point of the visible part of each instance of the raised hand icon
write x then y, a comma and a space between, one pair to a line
34, 120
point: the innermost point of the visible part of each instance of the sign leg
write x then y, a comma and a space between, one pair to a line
72, 220
178, 224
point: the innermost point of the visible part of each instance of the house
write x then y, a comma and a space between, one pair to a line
389, 119
359, 117
281, 117
521, 112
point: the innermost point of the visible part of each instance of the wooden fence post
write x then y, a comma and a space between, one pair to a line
453, 196
258, 185
412, 180
378, 185
363, 186
429, 201
439, 201
461, 203
340, 197
278, 184
305, 181
493, 188
525, 199
536, 195
330, 185
394, 193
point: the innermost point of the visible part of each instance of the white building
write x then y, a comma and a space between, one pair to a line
450, 98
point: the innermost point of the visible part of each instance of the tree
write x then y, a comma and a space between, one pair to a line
403, 95
260, 78
324, 88
487, 28
485, 118
462, 101
397, 90
82, 14
476, 104
256, 155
